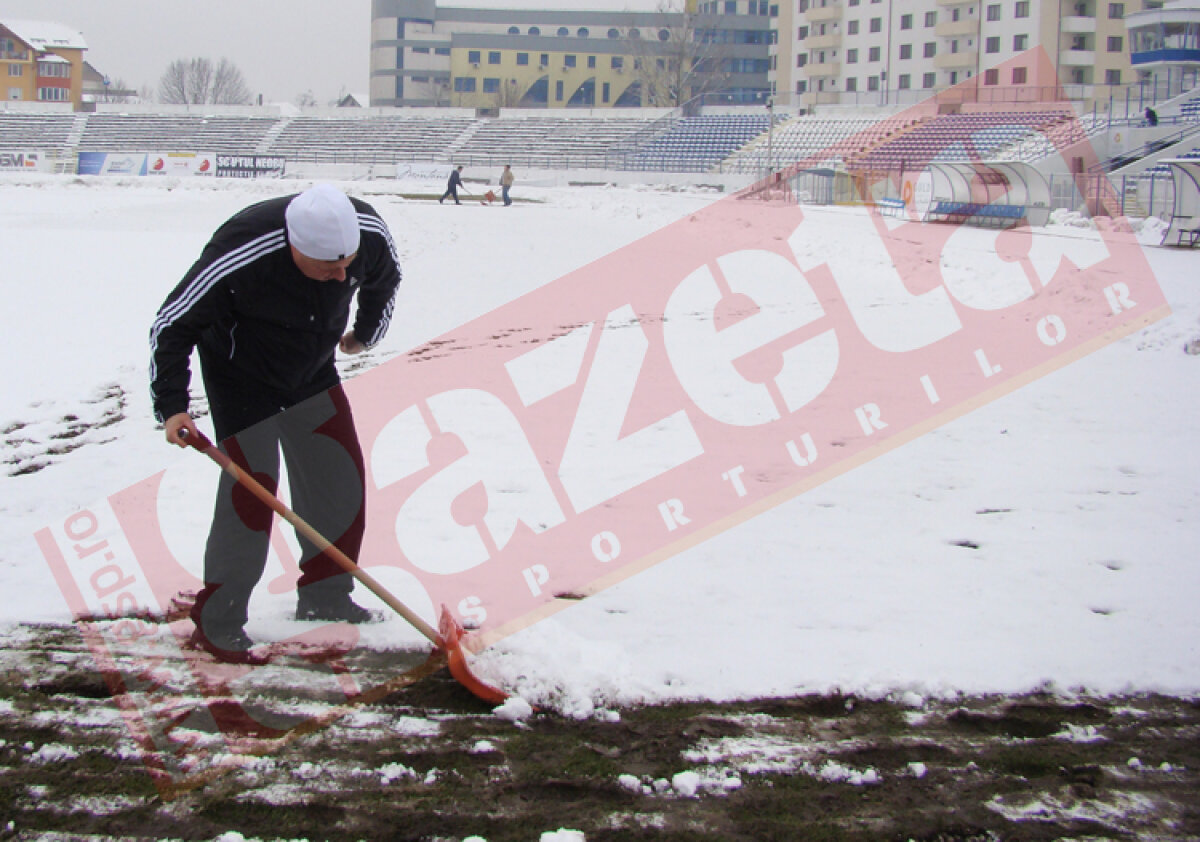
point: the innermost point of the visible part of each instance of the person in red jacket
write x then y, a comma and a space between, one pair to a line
266, 306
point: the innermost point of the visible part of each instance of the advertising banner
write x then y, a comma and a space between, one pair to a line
250, 166
181, 163
23, 161
111, 163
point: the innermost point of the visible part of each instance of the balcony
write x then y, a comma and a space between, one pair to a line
830, 41
1078, 58
823, 14
954, 2
1078, 24
956, 28
1166, 56
955, 61
817, 71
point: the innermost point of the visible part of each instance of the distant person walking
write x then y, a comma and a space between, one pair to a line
452, 186
1151, 116
506, 183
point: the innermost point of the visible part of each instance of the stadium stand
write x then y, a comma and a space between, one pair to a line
974, 136
735, 143
22, 130
370, 139
182, 133
813, 141
549, 141
697, 144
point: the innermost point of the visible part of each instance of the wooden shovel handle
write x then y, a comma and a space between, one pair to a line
201, 443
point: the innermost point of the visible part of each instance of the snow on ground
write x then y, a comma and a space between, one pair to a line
1078, 494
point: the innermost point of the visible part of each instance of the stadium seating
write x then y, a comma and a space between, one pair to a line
174, 133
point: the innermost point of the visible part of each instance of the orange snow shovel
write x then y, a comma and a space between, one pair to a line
448, 642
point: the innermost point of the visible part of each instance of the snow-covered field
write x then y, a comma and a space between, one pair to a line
1079, 495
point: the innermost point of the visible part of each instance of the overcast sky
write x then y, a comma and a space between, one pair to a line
283, 47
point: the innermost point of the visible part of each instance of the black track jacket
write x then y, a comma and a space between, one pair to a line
257, 321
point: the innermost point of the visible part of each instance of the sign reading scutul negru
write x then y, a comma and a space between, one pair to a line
628, 410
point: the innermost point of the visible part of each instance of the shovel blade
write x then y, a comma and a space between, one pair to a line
451, 633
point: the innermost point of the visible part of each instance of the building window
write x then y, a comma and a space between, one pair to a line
929, 80
16, 70
618, 62
904, 82
473, 56
493, 57
1116, 11
614, 34
54, 70
731, 7
872, 83
568, 61
544, 60
491, 86
563, 32
441, 51
582, 32
420, 51
851, 56
1019, 76
852, 28
522, 59
1116, 43
991, 77
464, 84
993, 12
930, 20
592, 62
534, 30
558, 90
992, 45
1112, 77
876, 25
906, 21
873, 54
905, 51
930, 49
514, 30
852, 84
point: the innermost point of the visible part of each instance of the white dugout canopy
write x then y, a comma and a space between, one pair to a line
1184, 229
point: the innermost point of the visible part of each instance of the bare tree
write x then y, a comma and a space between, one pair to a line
508, 95
228, 85
682, 58
306, 100
196, 81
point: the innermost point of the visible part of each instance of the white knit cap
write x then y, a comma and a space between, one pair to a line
322, 223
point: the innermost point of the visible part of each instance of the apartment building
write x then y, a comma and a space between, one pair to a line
895, 52
41, 61
423, 54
